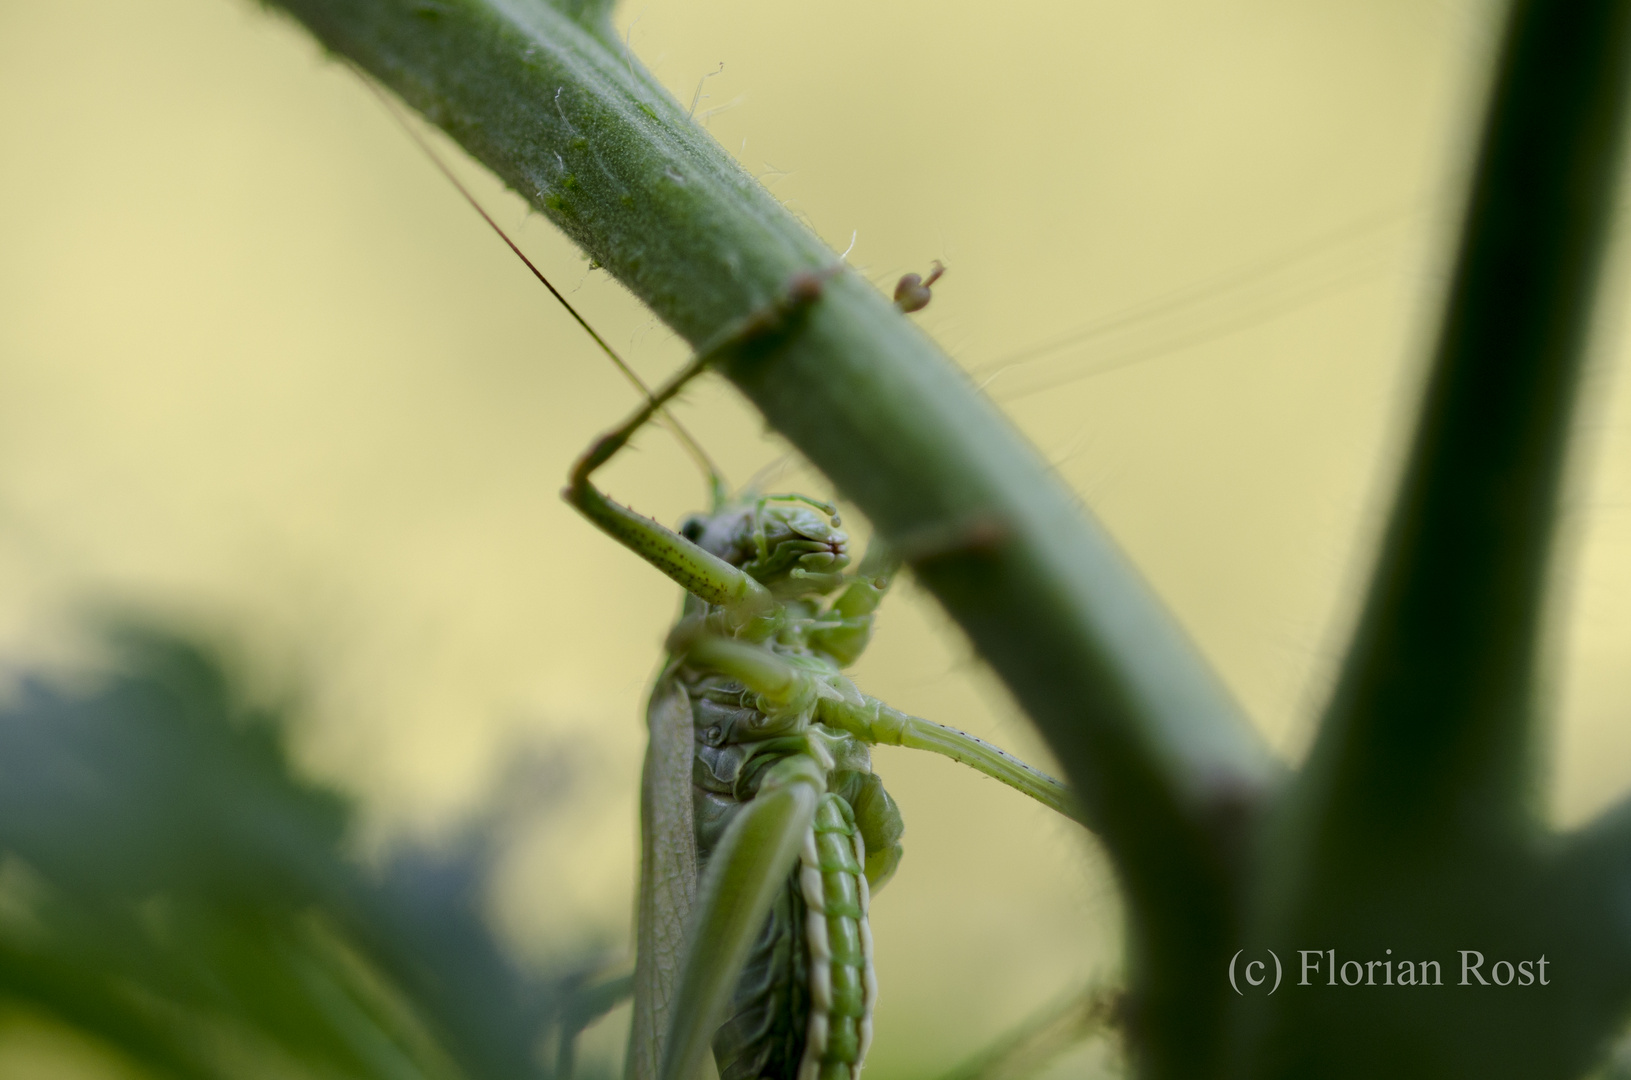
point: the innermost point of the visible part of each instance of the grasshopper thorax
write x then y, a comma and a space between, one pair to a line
788, 543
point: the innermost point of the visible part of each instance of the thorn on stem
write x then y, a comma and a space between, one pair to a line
976, 534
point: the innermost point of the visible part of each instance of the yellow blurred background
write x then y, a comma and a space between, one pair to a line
263, 373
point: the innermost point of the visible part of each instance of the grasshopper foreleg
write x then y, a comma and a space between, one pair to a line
697, 571
855, 610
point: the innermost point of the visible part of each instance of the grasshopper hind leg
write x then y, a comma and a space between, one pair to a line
802, 1007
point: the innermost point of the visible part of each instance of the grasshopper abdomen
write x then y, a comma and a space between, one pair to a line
843, 984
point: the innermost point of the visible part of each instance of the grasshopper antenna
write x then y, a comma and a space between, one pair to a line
716, 481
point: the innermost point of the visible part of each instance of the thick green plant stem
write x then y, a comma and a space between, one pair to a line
1435, 710
1164, 764
1414, 826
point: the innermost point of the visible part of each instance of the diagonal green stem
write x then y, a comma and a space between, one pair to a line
1433, 717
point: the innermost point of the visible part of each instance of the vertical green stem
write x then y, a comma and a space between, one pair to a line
1434, 714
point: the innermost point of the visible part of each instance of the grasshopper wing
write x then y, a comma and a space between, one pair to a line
668, 872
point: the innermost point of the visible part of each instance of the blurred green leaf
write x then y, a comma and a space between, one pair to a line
169, 885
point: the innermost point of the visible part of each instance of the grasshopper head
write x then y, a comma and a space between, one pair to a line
791, 545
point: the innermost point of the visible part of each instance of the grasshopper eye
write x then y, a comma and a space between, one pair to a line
691, 529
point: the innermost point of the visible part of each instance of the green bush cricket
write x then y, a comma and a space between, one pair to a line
758, 755
764, 829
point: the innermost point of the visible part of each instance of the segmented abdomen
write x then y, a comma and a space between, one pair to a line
843, 985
